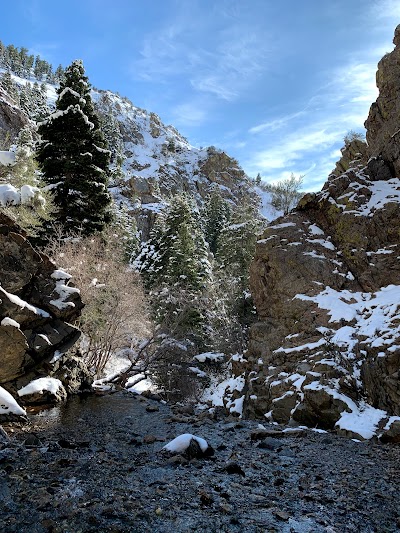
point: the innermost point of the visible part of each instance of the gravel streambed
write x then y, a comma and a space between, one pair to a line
96, 464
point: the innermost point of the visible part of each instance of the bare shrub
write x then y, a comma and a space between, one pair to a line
286, 193
115, 316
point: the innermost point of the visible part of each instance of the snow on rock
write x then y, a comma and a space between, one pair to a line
315, 230
373, 315
224, 392
383, 192
7, 321
267, 210
63, 290
9, 195
209, 357
23, 304
41, 385
8, 405
181, 443
362, 421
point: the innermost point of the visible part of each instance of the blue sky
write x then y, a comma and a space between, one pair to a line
275, 84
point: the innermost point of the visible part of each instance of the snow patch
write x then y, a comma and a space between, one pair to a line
363, 421
8, 405
41, 385
7, 321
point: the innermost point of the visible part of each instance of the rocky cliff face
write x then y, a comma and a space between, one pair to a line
36, 305
12, 119
326, 283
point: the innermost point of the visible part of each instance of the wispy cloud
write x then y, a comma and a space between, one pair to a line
222, 66
387, 9
276, 124
188, 114
309, 139
238, 59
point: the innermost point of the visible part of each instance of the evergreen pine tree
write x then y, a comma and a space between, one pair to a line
6, 82
2, 53
177, 253
216, 216
59, 74
175, 266
236, 246
73, 156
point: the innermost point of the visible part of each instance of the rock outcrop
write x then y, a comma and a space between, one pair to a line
37, 303
382, 124
12, 119
326, 283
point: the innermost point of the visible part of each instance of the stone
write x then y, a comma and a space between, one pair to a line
392, 435
260, 434
13, 349
152, 408
12, 119
44, 397
32, 440
234, 468
4, 438
149, 439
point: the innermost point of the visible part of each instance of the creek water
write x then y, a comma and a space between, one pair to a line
87, 417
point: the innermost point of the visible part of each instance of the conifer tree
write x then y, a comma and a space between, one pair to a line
175, 267
216, 215
236, 246
176, 254
74, 158
59, 74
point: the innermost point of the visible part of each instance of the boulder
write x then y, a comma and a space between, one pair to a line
392, 434
37, 304
12, 119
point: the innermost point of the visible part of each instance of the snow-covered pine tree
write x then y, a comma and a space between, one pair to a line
150, 259
7, 84
216, 216
74, 158
177, 271
178, 254
59, 74
110, 127
235, 250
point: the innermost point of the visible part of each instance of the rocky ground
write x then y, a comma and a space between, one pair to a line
95, 465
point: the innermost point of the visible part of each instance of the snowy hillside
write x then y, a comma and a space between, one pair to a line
152, 161
158, 162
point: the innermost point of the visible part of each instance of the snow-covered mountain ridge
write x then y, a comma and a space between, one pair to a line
153, 161
158, 162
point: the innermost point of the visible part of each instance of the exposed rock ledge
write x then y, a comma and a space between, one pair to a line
326, 283
37, 302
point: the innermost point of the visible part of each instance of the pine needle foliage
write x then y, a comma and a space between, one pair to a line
74, 158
